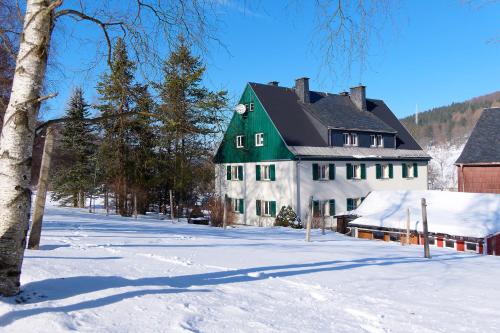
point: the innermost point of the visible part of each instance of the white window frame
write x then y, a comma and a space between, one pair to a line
239, 141
259, 139
347, 139
356, 171
373, 140
385, 171
265, 172
251, 106
236, 205
354, 139
380, 141
234, 172
265, 208
409, 168
323, 172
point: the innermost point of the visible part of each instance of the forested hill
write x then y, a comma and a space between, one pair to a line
449, 124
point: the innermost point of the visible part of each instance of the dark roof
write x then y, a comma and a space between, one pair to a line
306, 124
483, 145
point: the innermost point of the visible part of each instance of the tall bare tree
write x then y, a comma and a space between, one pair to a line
143, 22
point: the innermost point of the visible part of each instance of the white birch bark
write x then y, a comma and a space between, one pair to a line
16, 142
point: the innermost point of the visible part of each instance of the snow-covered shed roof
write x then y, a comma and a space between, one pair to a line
453, 213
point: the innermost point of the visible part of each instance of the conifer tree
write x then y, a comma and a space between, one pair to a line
72, 179
192, 115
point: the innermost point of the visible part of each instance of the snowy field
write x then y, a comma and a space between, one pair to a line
110, 274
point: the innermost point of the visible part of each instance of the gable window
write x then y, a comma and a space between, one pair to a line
323, 171
265, 208
410, 170
265, 172
356, 171
240, 141
234, 172
259, 139
384, 171
373, 140
376, 140
251, 106
350, 139
380, 141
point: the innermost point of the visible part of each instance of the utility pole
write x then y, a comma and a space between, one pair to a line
43, 180
224, 213
426, 232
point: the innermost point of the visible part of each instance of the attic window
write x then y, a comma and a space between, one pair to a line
251, 107
240, 141
259, 139
376, 140
350, 139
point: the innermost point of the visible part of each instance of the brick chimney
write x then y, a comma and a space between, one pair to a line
302, 89
273, 83
358, 97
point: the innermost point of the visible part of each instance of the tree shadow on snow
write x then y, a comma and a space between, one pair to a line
62, 288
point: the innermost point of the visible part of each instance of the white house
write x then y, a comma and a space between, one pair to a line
285, 146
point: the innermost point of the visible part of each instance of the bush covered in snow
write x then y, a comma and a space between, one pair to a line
287, 218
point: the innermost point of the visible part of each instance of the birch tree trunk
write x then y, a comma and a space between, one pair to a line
16, 142
41, 193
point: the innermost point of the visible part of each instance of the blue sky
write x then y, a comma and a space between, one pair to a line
432, 53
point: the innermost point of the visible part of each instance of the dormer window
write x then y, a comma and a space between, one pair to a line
240, 141
350, 139
376, 140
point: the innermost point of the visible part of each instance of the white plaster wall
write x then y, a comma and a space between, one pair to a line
284, 189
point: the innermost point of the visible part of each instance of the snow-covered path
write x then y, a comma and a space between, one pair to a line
110, 274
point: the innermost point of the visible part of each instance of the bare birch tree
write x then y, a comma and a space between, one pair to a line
143, 22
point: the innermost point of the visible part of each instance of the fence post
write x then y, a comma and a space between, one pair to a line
408, 227
427, 253
309, 221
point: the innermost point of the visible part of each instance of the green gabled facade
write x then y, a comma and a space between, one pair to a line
248, 124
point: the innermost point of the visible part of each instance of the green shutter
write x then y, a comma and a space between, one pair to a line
315, 171
272, 172
415, 170
228, 172
257, 172
257, 207
242, 202
363, 171
331, 207
240, 172
405, 170
391, 171
349, 170
378, 171
331, 171
272, 208
315, 208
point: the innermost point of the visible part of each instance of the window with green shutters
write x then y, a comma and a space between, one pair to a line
404, 168
237, 205
349, 170
265, 172
356, 171
331, 207
265, 208
410, 170
323, 171
415, 170
234, 172
384, 171
353, 203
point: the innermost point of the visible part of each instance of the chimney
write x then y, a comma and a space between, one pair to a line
273, 83
358, 97
302, 89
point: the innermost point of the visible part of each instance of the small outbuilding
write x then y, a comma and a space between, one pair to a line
478, 166
461, 221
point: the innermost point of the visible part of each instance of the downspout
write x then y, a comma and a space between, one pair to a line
297, 181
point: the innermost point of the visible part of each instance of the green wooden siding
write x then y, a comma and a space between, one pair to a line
252, 122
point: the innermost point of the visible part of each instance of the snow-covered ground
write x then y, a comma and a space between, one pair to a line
110, 274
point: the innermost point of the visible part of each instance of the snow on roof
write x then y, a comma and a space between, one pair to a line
453, 213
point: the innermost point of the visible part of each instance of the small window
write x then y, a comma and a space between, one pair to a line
354, 139
373, 141
266, 172
356, 171
410, 170
323, 171
236, 172
251, 107
450, 243
347, 140
380, 141
259, 139
240, 141
353, 203
385, 171
236, 205
266, 208
471, 247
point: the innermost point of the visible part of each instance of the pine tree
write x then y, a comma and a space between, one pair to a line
74, 178
191, 116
